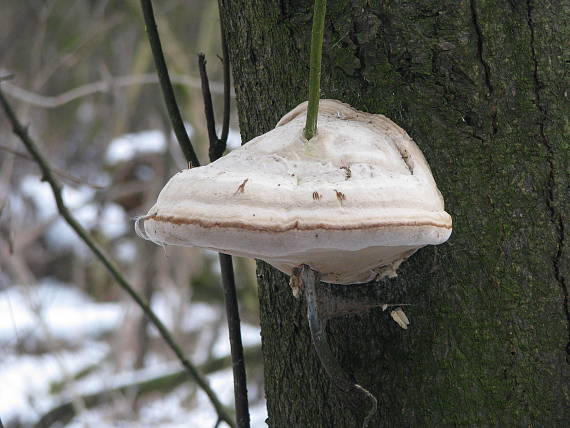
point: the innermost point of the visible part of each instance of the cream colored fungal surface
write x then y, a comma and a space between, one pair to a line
353, 202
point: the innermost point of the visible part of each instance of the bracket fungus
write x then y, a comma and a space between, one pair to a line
352, 203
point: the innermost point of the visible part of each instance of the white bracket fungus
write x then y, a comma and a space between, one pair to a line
352, 203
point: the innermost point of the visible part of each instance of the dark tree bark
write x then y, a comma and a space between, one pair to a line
482, 87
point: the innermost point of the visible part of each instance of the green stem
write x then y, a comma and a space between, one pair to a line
315, 71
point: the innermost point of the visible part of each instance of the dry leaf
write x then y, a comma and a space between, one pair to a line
296, 283
400, 317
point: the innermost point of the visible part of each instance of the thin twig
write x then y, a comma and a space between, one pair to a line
64, 175
317, 325
166, 85
227, 87
315, 70
47, 175
100, 86
72, 56
236, 346
217, 147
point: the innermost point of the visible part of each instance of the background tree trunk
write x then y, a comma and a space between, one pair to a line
482, 87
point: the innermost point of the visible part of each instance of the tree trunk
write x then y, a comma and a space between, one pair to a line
482, 87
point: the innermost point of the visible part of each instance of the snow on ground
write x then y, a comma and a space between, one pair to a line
250, 335
111, 219
25, 379
66, 312
197, 315
125, 251
222, 383
40, 193
128, 146
203, 413
171, 410
47, 311
61, 311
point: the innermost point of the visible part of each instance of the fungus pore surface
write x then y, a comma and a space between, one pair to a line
352, 203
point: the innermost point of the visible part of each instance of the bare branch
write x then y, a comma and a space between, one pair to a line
166, 85
227, 87
101, 86
217, 147
64, 175
236, 346
100, 253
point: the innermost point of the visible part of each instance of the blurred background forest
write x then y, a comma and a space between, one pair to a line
71, 341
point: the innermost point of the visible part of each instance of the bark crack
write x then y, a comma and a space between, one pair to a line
555, 215
484, 64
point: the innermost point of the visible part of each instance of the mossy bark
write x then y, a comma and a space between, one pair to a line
482, 87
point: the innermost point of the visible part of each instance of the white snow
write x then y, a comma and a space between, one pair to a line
250, 335
66, 312
41, 195
25, 379
126, 251
126, 147
112, 219
202, 414
234, 139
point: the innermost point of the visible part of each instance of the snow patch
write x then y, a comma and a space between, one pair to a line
128, 146
66, 312
234, 139
111, 218
25, 379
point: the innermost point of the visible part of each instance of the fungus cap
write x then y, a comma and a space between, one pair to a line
352, 203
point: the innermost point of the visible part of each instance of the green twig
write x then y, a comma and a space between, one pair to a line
315, 70
166, 85
48, 175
